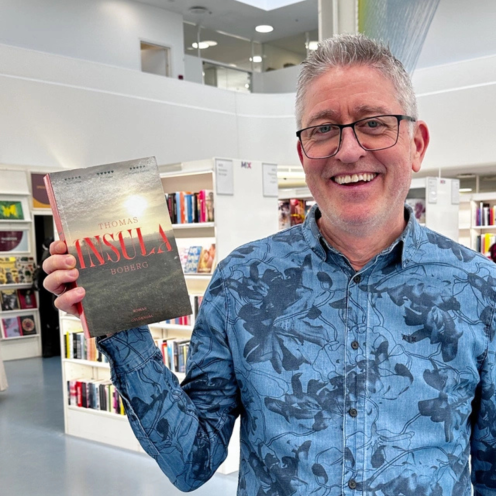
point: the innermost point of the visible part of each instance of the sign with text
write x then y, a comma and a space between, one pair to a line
270, 186
224, 177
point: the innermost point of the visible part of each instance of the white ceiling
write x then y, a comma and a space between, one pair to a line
237, 18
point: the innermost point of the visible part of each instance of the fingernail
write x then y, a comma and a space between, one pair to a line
69, 261
73, 272
79, 291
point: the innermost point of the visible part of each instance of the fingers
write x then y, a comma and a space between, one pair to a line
68, 301
62, 272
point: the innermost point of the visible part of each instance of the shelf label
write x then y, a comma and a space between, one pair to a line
270, 187
455, 191
431, 190
224, 178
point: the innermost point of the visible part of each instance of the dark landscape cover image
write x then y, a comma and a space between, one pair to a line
114, 220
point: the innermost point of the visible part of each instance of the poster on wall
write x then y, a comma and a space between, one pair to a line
40, 197
11, 210
14, 241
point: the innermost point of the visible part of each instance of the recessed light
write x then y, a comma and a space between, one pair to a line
313, 45
257, 59
210, 43
264, 28
203, 44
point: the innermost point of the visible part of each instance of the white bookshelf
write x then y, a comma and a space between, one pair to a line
14, 188
240, 217
483, 227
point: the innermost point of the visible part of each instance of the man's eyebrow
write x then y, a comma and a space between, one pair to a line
369, 109
359, 111
323, 114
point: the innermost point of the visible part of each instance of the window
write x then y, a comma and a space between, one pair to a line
155, 59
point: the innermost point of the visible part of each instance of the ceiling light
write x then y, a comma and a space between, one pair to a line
264, 28
247, 86
313, 45
465, 190
257, 59
210, 43
202, 45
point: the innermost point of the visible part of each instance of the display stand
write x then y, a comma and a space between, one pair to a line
244, 210
14, 195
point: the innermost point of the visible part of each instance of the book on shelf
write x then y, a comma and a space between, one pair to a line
78, 346
188, 207
16, 270
27, 324
94, 394
191, 265
284, 210
297, 211
9, 300
11, 327
188, 320
485, 215
11, 210
199, 259
27, 299
174, 353
114, 220
207, 259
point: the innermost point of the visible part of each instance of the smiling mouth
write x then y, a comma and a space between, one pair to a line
354, 178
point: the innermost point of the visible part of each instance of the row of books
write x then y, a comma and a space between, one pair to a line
187, 207
17, 299
16, 270
174, 353
78, 346
484, 242
15, 327
485, 215
291, 212
188, 320
197, 259
95, 394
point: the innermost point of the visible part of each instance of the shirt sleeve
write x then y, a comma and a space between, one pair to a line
185, 428
484, 428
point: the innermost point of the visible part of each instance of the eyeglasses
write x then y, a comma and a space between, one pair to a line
373, 133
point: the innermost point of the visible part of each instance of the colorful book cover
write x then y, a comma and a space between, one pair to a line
297, 211
25, 268
27, 324
114, 220
11, 210
11, 327
27, 299
284, 214
207, 260
9, 300
191, 266
14, 241
8, 271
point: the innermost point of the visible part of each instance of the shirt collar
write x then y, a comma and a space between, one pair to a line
408, 242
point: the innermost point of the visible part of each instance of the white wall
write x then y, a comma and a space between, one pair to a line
62, 112
281, 81
105, 31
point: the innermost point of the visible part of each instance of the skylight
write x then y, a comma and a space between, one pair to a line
269, 4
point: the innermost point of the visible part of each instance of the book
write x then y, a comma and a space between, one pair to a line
27, 299
27, 325
11, 327
284, 214
297, 211
9, 300
114, 220
206, 262
8, 271
191, 266
11, 210
418, 206
25, 269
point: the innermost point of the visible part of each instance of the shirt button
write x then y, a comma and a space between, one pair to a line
353, 412
357, 279
352, 484
355, 345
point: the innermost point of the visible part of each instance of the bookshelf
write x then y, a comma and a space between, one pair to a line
242, 213
482, 221
17, 257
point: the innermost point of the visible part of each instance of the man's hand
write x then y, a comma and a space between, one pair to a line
61, 270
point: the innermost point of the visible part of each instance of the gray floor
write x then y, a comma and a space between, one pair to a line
37, 458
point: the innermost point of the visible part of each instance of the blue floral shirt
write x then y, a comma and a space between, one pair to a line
379, 382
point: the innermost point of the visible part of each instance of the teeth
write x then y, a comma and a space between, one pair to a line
354, 178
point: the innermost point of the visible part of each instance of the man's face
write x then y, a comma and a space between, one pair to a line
344, 95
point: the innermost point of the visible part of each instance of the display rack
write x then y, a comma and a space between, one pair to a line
14, 189
244, 213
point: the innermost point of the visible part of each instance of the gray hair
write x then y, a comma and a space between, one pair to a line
353, 50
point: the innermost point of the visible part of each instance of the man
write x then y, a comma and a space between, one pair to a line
358, 348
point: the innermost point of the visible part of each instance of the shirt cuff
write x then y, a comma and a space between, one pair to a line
128, 350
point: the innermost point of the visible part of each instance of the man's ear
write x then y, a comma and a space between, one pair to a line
420, 143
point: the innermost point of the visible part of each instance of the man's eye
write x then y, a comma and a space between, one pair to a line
323, 129
373, 124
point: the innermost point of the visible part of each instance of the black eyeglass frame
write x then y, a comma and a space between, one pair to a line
399, 118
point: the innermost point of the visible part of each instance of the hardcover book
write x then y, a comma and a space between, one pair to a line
11, 327
9, 300
114, 220
28, 327
27, 298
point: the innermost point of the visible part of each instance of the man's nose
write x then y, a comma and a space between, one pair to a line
350, 150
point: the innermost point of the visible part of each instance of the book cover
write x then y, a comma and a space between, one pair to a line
27, 299
207, 259
284, 214
9, 300
418, 206
8, 271
191, 266
11, 210
28, 327
11, 327
114, 220
25, 268
297, 211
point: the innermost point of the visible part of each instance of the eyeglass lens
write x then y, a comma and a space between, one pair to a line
373, 133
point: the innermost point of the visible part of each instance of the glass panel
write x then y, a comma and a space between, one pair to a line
226, 78
487, 183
